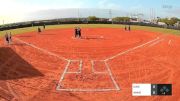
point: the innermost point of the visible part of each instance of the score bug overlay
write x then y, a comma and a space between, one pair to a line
151, 89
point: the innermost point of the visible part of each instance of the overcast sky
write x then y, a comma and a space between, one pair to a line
22, 10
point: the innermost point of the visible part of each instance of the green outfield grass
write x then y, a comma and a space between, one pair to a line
134, 27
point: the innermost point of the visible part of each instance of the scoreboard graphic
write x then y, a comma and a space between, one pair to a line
151, 89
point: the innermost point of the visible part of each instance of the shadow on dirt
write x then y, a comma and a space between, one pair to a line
13, 66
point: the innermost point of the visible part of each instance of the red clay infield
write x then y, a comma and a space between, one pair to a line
54, 66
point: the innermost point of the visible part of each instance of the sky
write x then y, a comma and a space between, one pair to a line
24, 10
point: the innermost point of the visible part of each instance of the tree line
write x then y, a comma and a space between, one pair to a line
169, 21
116, 19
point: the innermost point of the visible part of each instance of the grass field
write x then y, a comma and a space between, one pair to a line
134, 27
101, 66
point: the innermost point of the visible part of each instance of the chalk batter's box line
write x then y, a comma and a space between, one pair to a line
80, 67
63, 75
86, 90
93, 69
109, 73
66, 69
112, 77
58, 88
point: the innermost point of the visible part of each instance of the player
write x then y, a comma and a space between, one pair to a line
10, 37
39, 30
129, 28
6, 38
125, 28
79, 32
44, 26
75, 32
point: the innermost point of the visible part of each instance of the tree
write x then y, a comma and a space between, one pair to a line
92, 18
171, 21
174, 20
121, 19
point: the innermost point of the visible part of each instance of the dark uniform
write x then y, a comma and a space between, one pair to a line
129, 28
39, 30
79, 32
7, 38
44, 26
10, 37
76, 32
125, 28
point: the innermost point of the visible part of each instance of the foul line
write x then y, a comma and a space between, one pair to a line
131, 49
63, 75
156, 42
43, 50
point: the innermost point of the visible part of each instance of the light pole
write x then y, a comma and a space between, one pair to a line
3, 21
110, 15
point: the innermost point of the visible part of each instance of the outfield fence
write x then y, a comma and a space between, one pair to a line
62, 21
